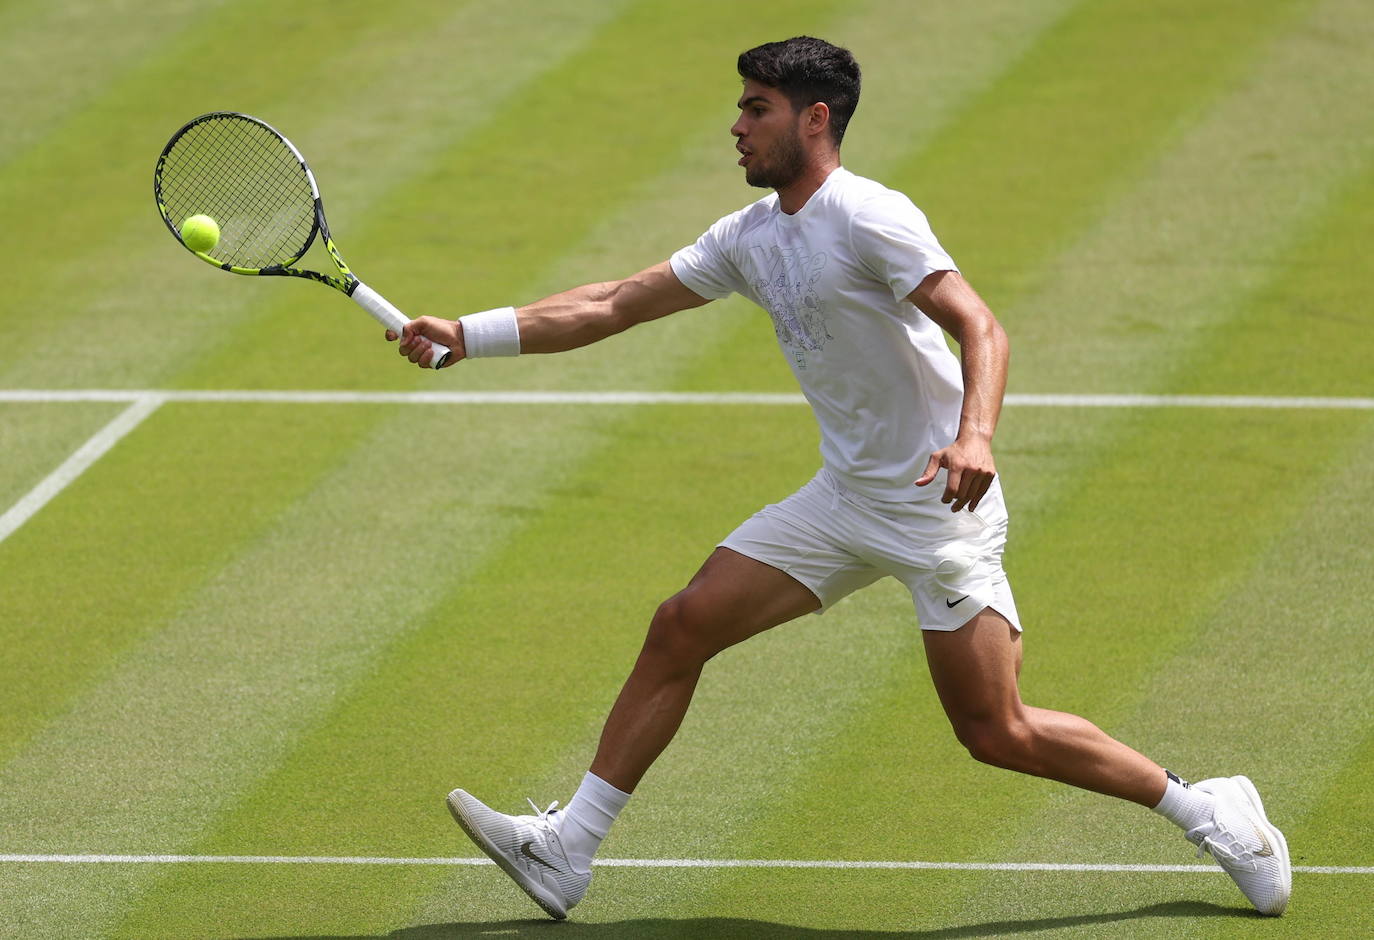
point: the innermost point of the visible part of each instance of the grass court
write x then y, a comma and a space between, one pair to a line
266, 625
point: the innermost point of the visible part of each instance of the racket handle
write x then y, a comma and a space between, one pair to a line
394, 320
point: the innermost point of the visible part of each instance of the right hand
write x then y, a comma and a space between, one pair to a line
417, 335
970, 471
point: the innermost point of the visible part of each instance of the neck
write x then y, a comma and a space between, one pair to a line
796, 193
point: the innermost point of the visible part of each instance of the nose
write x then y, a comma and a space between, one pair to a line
737, 129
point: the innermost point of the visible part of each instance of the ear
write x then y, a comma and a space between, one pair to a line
816, 118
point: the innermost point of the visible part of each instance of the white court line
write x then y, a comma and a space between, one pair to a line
145, 402
653, 863
649, 398
71, 468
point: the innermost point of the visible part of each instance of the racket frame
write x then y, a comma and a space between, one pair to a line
346, 282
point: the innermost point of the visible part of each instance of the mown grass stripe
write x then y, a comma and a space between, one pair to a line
656, 372
591, 518
1032, 164
146, 528
1224, 236
477, 226
77, 464
554, 35
59, 57
650, 398
1277, 635
1075, 481
1069, 454
570, 451
385, 134
1287, 627
1341, 820
35, 438
654, 863
273, 635
1308, 327
961, 56
93, 173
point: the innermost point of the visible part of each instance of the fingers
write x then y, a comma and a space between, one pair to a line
960, 495
980, 490
967, 479
973, 486
419, 351
951, 493
415, 347
417, 339
932, 467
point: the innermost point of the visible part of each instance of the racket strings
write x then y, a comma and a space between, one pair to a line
250, 181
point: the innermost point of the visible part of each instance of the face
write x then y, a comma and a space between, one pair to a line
768, 137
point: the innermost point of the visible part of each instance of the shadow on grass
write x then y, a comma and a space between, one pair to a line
731, 927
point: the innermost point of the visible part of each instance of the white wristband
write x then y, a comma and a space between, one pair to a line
491, 333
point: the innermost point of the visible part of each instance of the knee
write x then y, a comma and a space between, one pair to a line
679, 633
1004, 741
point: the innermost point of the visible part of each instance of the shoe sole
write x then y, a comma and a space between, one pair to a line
1276, 839
535, 892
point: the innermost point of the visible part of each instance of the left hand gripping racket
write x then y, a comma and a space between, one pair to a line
255, 184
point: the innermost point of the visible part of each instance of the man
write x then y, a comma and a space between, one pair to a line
859, 290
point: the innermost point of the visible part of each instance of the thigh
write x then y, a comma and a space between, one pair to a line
975, 667
806, 537
733, 597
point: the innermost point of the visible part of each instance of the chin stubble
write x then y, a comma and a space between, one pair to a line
788, 160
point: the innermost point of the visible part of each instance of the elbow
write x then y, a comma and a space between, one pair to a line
987, 332
993, 334
1000, 340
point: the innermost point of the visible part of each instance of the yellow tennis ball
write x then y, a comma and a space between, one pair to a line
200, 233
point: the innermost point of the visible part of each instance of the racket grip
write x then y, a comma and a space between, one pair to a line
394, 320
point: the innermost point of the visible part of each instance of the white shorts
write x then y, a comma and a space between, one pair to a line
835, 541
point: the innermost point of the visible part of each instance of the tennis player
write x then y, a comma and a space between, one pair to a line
860, 293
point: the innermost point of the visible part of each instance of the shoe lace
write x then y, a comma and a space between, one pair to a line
541, 816
1225, 846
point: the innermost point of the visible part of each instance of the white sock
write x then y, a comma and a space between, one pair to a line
588, 817
1183, 806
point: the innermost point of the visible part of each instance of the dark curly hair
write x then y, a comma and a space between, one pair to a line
807, 70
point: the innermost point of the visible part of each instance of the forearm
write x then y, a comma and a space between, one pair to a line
984, 355
592, 312
560, 322
571, 319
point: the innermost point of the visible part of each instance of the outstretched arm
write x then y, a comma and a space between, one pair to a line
573, 318
951, 302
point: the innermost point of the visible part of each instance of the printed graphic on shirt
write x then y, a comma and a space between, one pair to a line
785, 282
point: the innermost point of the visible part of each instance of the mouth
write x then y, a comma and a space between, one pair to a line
746, 155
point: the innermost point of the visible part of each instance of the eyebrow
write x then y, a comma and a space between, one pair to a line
752, 99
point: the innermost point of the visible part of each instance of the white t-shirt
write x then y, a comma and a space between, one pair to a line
834, 276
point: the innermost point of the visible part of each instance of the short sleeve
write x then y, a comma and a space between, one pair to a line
705, 266
893, 239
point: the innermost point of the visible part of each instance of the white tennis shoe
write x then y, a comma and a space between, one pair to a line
1243, 841
527, 848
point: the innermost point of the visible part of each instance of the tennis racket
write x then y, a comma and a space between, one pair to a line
255, 184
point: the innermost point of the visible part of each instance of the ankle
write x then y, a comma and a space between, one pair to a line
1184, 806
586, 820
